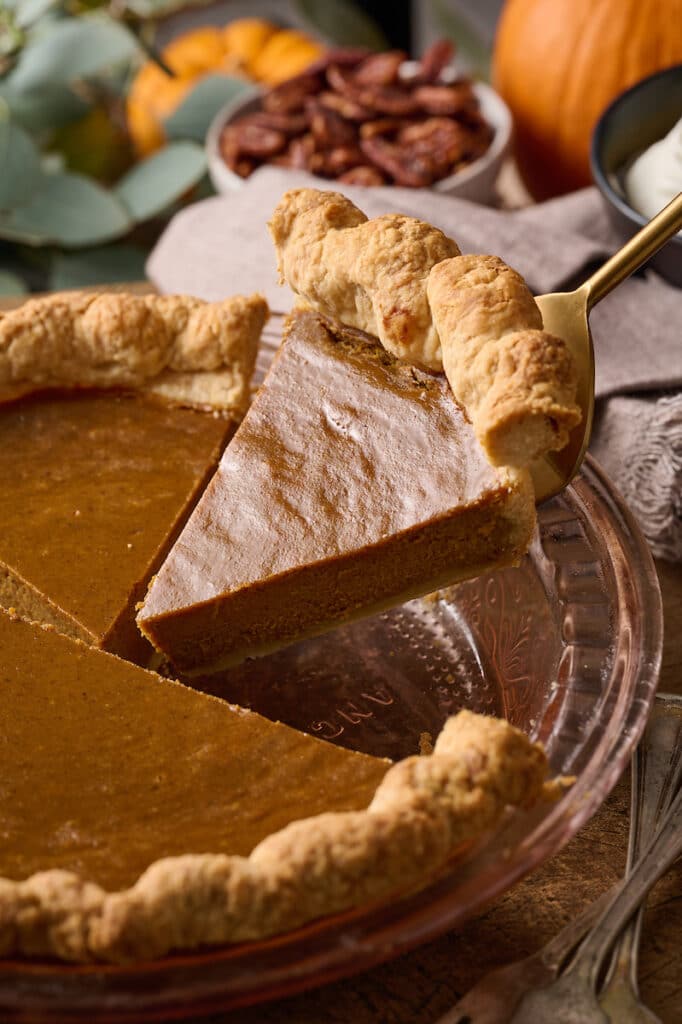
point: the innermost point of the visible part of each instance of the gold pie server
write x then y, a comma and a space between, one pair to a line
566, 315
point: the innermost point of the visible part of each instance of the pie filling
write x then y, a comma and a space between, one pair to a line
122, 767
353, 483
101, 482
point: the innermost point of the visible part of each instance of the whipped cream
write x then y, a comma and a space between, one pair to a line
656, 175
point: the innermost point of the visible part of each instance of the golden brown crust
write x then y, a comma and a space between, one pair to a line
368, 274
424, 810
404, 282
187, 351
517, 382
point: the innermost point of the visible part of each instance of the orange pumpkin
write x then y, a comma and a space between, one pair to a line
250, 47
559, 63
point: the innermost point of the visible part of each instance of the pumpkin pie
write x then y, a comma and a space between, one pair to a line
120, 842
114, 411
354, 482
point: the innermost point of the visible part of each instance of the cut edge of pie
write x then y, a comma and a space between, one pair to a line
174, 349
425, 809
204, 618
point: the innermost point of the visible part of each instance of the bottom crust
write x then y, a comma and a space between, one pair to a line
425, 808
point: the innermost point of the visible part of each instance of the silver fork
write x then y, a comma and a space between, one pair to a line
656, 773
572, 999
660, 759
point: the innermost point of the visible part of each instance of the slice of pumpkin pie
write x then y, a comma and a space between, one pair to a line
138, 816
354, 482
114, 411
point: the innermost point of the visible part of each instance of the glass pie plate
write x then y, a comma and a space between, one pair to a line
567, 646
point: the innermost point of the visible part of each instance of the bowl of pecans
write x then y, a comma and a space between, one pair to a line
370, 119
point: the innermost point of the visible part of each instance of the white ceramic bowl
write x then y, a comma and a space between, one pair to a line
476, 181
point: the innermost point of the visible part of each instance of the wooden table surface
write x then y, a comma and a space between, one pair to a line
420, 986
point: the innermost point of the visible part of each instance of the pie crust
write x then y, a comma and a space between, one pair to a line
425, 810
95, 390
187, 351
405, 282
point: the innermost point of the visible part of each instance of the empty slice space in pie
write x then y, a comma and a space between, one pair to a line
354, 482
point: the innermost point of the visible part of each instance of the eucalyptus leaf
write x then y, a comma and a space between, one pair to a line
194, 115
29, 11
10, 284
157, 182
69, 210
105, 265
158, 8
73, 48
20, 170
342, 22
45, 110
476, 56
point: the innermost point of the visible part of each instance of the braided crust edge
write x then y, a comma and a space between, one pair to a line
405, 282
517, 382
424, 809
187, 351
367, 274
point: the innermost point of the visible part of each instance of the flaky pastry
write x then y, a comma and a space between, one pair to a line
187, 351
367, 274
405, 282
516, 381
424, 810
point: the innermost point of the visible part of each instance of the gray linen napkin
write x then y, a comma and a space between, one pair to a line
221, 246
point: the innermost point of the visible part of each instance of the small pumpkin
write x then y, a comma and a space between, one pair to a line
250, 47
559, 63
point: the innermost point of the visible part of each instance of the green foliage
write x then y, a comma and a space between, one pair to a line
10, 284
69, 210
342, 22
453, 25
73, 49
155, 183
20, 169
65, 66
105, 265
194, 115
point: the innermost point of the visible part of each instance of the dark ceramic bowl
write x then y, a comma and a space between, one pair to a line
637, 118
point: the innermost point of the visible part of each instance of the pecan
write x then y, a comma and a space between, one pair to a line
413, 170
440, 140
244, 167
347, 108
363, 176
241, 165
380, 68
329, 129
300, 152
382, 126
255, 140
447, 100
341, 81
395, 100
343, 56
290, 96
288, 124
434, 60
342, 159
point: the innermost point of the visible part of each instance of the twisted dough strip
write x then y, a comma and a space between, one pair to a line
473, 316
516, 381
188, 351
368, 274
423, 810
